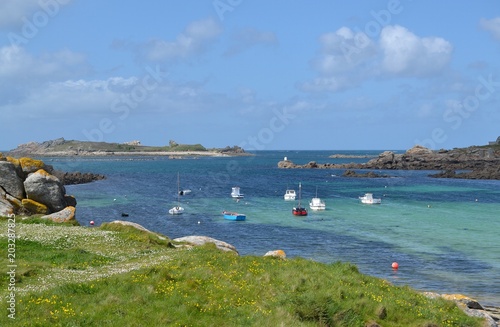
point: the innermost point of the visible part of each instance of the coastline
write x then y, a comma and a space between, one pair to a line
172, 154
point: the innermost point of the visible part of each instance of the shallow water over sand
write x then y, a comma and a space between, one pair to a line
443, 233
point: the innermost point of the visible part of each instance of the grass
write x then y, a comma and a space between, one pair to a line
119, 276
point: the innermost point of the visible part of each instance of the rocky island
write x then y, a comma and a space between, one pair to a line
61, 147
475, 162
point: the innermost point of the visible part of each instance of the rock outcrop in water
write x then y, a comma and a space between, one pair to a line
473, 162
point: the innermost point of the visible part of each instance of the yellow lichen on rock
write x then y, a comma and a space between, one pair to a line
42, 172
30, 165
65, 215
35, 207
276, 253
14, 161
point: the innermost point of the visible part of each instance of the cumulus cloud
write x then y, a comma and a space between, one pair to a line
342, 50
347, 58
248, 38
343, 57
492, 26
20, 70
407, 54
193, 40
16, 63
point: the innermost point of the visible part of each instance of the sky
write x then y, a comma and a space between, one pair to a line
263, 75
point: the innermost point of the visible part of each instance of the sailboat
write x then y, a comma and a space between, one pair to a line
316, 203
177, 210
299, 210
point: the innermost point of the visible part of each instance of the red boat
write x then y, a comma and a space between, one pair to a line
299, 210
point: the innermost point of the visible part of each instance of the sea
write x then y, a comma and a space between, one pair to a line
443, 233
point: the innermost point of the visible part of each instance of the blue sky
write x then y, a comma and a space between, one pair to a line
260, 74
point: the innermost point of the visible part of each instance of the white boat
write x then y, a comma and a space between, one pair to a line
185, 192
177, 210
316, 203
368, 199
289, 195
235, 193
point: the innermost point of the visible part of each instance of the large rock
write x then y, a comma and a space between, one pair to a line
35, 207
10, 181
44, 188
65, 215
200, 240
136, 226
6, 208
276, 253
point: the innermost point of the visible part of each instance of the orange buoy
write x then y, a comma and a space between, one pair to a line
395, 265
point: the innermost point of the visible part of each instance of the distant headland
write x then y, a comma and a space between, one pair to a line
475, 162
62, 148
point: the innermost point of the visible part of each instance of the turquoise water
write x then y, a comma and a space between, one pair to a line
442, 232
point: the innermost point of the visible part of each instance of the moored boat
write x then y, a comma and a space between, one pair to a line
289, 195
235, 193
299, 210
185, 192
316, 203
369, 199
177, 210
234, 216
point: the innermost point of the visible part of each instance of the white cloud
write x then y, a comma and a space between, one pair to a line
342, 50
12, 11
20, 71
16, 63
492, 26
16, 13
195, 39
344, 57
348, 58
404, 53
249, 38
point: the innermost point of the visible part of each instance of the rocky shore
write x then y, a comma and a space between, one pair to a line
478, 162
28, 187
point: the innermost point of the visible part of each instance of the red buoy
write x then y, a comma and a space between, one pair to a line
395, 265
91, 223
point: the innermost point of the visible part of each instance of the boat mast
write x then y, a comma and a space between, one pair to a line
178, 189
300, 191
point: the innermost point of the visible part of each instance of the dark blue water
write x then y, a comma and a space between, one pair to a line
442, 232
